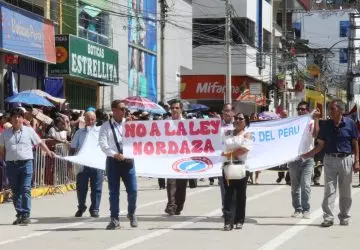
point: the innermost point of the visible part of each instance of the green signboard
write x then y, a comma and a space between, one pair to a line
85, 59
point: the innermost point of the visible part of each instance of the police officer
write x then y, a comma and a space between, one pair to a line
16, 143
118, 166
95, 176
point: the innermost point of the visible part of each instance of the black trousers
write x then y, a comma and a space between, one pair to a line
281, 175
161, 182
176, 192
317, 173
235, 213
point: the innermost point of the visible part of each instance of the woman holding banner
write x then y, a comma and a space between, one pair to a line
237, 142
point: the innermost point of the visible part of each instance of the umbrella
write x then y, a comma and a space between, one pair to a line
141, 103
268, 116
29, 98
47, 95
197, 107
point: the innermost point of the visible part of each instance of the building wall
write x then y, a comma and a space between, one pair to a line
178, 46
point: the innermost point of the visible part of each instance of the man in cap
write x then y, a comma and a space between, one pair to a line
16, 145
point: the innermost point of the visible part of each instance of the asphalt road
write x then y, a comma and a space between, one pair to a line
268, 223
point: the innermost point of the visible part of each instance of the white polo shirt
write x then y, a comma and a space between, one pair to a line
19, 144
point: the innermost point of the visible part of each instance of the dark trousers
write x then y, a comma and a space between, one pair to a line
281, 176
20, 175
317, 173
96, 177
237, 187
126, 171
161, 182
176, 192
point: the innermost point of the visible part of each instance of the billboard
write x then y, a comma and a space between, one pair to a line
142, 25
27, 34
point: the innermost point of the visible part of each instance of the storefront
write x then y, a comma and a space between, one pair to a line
26, 44
85, 66
210, 90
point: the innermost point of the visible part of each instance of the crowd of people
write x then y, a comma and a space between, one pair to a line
333, 143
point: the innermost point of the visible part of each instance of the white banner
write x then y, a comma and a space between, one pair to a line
175, 148
192, 148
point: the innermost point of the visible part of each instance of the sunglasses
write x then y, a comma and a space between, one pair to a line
301, 109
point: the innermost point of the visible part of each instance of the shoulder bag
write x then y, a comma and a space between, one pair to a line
234, 170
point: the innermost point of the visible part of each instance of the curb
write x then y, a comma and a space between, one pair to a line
42, 191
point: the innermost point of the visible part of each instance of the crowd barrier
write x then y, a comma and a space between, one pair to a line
48, 172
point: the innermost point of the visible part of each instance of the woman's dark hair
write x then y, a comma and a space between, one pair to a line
246, 117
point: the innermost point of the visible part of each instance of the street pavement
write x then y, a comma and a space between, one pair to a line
268, 223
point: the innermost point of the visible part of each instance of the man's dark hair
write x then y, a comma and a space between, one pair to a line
115, 103
176, 101
339, 103
304, 103
17, 111
228, 104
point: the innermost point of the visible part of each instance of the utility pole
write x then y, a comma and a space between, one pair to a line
163, 9
285, 61
228, 95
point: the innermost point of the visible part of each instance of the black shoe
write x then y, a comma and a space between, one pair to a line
278, 180
211, 183
113, 224
79, 213
18, 220
327, 223
25, 221
133, 220
288, 183
177, 212
344, 222
169, 211
228, 227
238, 226
94, 214
316, 183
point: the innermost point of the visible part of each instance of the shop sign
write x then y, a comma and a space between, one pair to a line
11, 59
255, 88
211, 87
83, 58
27, 34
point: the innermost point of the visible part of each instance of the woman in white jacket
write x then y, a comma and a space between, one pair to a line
238, 143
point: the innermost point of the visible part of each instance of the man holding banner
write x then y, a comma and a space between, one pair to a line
338, 136
176, 188
301, 171
118, 166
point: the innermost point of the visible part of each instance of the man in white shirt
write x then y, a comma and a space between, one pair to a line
118, 166
301, 171
95, 176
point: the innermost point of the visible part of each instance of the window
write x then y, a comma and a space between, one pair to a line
344, 28
27, 6
297, 30
207, 31
266, 41
93, 24
343, 55
246, 28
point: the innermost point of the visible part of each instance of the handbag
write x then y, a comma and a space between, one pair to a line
234, 170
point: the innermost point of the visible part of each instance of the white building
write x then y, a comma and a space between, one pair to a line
206, 81
328, 34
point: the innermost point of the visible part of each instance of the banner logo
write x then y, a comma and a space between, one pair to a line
192, 165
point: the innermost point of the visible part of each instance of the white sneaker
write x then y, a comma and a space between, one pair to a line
297, 214
306, 215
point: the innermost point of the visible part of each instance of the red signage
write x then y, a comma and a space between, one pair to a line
11, 59
211, 87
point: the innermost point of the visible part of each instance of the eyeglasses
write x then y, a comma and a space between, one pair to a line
175, 108
301, 109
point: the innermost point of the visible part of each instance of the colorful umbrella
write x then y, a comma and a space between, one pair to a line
197, 107
47, 95
134, 103
268, 116
29, 98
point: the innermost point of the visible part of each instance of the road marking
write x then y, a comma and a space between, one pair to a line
298, 227
53, 229
161, 232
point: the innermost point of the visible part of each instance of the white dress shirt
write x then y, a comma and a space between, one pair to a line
106, 137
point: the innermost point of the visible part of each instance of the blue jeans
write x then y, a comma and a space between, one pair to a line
126, 171
96, 177
19, 175
300, 175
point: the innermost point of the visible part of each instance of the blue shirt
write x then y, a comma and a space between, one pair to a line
19, 144
79, 137
338, 139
